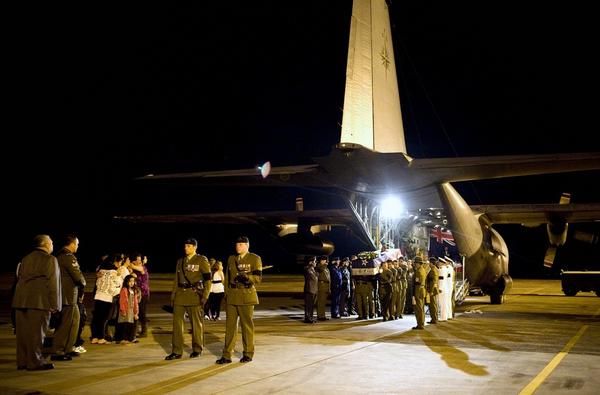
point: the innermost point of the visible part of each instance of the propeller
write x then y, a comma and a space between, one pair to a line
557, 234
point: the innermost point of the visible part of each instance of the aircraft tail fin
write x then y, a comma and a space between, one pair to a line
372, 115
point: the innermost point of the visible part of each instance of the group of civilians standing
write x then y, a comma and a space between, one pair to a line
49, 286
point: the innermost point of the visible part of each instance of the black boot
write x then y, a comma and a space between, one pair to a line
143, 332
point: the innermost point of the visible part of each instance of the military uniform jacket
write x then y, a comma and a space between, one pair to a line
335, 275
243, 293
197, 271
71, 277
420, 276
386, 278
324, 277
432, 280
311, 280
38, 284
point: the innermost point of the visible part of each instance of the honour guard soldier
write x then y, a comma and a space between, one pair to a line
244, 272
324, 280
335, 273
311, 287
420, 294
433, 290
191, 288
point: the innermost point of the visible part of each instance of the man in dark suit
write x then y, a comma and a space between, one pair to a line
244, 271
37, 294
71, 279
311, 287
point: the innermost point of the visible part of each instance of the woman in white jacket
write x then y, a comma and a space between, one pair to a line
108, 285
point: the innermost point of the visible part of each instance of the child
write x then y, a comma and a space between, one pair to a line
128, 311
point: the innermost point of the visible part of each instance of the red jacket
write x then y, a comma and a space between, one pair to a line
124, 298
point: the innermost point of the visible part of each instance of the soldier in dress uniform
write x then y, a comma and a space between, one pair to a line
433, 290
345, 299
324, 281
191, 288
386, 290
244, 272
37, 294
311, 287
71, 279
335, 275
420, 276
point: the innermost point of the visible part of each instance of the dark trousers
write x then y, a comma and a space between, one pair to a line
335, 301
142, 314
309, 306
125, 331
344, 299
101, 313
214, 300
66, 332
32, 325
82, 320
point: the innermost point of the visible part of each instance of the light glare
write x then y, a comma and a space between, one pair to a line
391, 208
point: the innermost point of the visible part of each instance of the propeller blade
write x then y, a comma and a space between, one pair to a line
549, 257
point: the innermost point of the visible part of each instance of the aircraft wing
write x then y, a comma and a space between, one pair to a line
301, 175
534, 214
329, 217
335, 217
478, 168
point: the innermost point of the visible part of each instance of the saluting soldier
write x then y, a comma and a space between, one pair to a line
345, 301
311, 287
244, 272
324, 281
420, 276
191, 288
71, 279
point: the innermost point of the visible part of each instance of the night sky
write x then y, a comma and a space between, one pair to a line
100, 94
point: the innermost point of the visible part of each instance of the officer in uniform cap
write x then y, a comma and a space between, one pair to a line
191, 288
243, 272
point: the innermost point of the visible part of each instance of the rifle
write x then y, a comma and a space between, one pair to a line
169, 308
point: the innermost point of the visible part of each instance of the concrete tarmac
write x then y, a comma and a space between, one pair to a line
538, 341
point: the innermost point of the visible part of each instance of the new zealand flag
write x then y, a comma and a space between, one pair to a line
441, 243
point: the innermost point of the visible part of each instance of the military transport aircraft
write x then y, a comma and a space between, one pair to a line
371, 161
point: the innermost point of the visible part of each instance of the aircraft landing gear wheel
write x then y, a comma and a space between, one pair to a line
570, 291
497, 298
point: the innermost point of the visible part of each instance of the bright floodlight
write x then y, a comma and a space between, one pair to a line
391, 208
